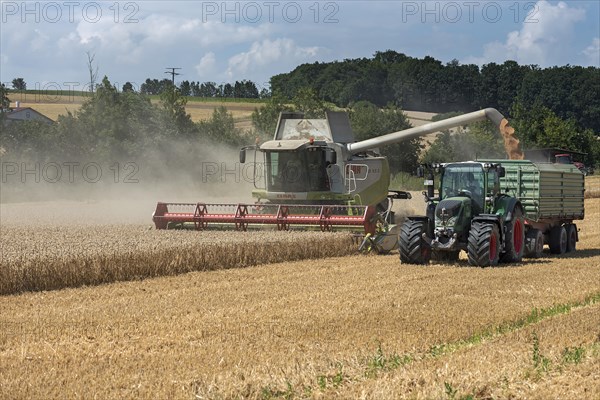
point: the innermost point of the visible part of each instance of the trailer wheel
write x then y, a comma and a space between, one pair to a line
413, 249
484, 244
571, 237
515, 238
534, 243
558, 240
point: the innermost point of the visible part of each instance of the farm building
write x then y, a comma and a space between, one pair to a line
19, 114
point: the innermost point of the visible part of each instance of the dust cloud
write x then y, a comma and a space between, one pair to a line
82, 192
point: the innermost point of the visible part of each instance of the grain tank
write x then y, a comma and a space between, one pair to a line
552, 197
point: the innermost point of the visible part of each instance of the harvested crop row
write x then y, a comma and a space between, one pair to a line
233, 333
556, 358
48, 258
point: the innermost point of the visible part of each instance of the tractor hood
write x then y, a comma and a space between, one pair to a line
450, 207
453, 213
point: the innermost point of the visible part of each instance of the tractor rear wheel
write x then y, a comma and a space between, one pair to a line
558, 240
571, 237
515, 238
413, 249
535, 243
483, 248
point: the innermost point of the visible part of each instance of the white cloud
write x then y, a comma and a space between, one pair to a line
281, 51
592, 52
544, 38
162, 30
206, 67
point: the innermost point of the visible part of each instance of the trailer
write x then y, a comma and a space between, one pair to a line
552, 198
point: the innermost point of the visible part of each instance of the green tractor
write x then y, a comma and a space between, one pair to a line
470, 213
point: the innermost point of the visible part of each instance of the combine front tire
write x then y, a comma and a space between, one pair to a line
483, 248
515, 238
413, 249
558, 240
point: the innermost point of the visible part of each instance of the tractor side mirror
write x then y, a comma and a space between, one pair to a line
242, 155
331, 157
420, 172
501, 172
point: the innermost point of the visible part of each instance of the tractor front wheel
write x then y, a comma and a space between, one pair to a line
515, 238
483, 248
413, 249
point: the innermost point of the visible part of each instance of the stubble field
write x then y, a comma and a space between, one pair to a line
337, 327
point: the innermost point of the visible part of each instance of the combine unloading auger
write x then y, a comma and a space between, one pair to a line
314, 174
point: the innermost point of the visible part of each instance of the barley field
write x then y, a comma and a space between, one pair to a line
343, 327
326, 327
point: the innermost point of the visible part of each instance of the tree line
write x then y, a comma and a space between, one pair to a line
570, 92
553, 107
244, 89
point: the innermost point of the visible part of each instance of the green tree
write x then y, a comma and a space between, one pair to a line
539, 127
113, 124
220, 128
368, 121
4, 100
19, 84
465, 143
173, 104
308, 102
264, 119
128, 87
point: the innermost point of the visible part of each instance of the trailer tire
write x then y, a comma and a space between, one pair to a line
558, 240
515, 238
571, 237
413, 249
483, 248
534, 243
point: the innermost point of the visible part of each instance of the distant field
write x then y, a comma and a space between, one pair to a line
53, 105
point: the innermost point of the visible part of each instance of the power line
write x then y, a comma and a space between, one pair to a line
173, 73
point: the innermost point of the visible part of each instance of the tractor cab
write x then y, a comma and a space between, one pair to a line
466, 190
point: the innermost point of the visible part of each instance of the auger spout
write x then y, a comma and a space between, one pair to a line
488, 113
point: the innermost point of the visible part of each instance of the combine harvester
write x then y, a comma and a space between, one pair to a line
314, 174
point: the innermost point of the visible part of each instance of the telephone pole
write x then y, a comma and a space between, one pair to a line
172, 73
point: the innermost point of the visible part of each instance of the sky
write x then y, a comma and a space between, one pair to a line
47, 42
